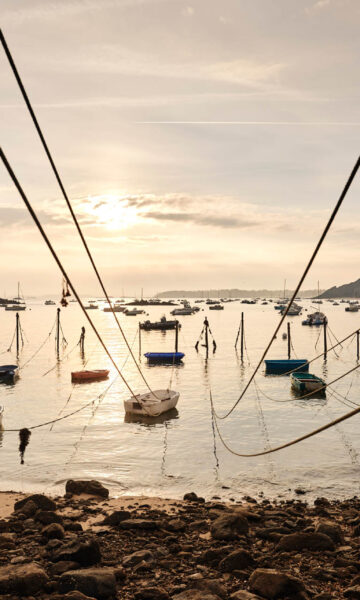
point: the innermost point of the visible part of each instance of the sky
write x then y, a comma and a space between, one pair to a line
203, 144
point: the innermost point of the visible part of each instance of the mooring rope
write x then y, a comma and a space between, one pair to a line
301, 280
40, 347
287, 444
59, 264
62, 188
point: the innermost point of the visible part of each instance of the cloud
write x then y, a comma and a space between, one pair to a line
200, 219
188, 11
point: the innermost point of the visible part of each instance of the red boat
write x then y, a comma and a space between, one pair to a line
86, 376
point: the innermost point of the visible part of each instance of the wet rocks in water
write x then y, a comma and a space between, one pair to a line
229, 525
270, 584
26, 580
305, 541
93, 488
99, 583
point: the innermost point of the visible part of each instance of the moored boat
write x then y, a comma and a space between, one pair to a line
87, 376
316, 318
307, 382
133, 312
164, 357
152, 404
162, 325
8, 372
91, 306
115, 308
285, 366
182, 311
49, 303
216, 307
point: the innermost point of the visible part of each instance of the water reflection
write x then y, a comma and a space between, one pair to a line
148, 421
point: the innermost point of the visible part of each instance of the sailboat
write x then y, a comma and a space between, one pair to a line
18, 302
318, 301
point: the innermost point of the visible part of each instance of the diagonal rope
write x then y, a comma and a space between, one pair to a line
302, 278
59, 264
56, 173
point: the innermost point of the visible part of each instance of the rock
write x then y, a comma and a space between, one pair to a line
93, 488
228, 526
137, 557
213, 556
237, 560
72, 596
244, 595
270, 583
63, 566
305, 541
353, 592
39, 500
138, 524
174, 525
99, 583
332, 530
29, 508
26, 580
151, 593
195, 595
7, 541
71, 526
48, 516
53, 532
86, 552
192, 497
116, 517
210, 586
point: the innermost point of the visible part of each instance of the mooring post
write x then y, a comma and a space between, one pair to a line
242, 338
206, 323
358, 344
58, 331
17, 333
82, 340
289, 341
325, 339
139, 341
176, 336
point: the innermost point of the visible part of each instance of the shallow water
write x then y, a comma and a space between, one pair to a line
179, 452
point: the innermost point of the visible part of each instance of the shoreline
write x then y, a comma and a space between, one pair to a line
85, 545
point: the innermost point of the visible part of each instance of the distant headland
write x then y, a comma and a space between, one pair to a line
235, 293
348, 290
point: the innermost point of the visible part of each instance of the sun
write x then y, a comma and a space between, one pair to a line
112, 211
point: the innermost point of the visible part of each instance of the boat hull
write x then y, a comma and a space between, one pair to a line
307, 383
152, 404
164, 357
88, 376
282, 367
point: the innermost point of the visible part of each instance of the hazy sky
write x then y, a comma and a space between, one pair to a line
203, 143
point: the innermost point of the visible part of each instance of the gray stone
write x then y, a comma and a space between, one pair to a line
116, 517
40, 500
86, 552
93, 488
99, 583
53, 532
305, 541
26, 580
270, 583
228, 526
137, 557
237, 560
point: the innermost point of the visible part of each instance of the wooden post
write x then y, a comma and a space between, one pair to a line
58, 331
17, 333
176, 336
242, 338
139, 341
82, 340
206, 323
358, 344
325, 339
289, 341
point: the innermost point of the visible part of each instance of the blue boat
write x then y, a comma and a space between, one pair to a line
280, 367
8, 372
164, 357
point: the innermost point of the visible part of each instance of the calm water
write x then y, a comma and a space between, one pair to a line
180, 453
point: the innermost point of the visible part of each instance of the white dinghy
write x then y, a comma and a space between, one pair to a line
152, 404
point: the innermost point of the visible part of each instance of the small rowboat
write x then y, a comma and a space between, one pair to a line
307, 382
152, 404
164, 357
86, 376
8, 372
285, 366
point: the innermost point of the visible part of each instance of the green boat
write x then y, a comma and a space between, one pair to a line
307, 382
